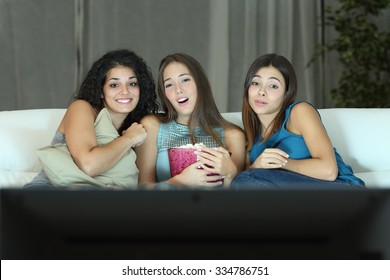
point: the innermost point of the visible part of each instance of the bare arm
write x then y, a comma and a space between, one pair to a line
305, 121
78, 127
147, 152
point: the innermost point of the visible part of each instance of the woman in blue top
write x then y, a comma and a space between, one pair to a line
287, 142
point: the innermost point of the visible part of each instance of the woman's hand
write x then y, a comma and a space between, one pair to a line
270, 159
195, 175
136, 133
216, 160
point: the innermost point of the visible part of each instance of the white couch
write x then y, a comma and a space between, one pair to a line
361, 137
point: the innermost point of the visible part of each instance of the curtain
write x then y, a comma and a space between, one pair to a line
288, 28
37, 49
46, 47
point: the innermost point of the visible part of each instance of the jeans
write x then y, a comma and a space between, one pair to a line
253, 179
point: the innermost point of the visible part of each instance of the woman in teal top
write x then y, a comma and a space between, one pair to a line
287, 142
189, 116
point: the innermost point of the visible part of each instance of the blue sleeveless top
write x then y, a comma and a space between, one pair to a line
295, 146
171, 135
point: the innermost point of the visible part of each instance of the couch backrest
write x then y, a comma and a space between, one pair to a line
360, 136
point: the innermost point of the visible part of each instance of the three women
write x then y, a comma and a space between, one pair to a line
286, 145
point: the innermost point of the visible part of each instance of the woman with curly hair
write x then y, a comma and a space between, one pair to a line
100, 127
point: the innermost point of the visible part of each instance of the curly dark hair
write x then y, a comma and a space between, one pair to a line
91, 88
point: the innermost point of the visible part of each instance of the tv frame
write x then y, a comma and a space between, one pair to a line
195, 224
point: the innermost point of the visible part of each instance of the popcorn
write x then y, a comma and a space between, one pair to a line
190, 146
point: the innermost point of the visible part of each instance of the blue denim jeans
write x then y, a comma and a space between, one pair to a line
253, 179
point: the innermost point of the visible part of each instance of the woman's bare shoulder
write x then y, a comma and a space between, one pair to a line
303, 109
80, 111
151, 120
80, 104
304, 116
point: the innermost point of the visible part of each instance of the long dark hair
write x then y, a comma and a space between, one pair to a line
251, 122
206, 114
91, 88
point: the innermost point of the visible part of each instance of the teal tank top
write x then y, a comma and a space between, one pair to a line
295, 146
171, 135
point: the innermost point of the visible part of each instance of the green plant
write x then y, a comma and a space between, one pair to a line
364, 52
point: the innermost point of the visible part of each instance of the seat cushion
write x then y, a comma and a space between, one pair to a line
375, 179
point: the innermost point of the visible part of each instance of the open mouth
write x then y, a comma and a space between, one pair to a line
183, 100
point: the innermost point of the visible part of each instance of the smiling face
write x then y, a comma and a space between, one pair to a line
266, 92
121, 92
181, 90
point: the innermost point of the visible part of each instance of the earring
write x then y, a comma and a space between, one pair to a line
101, 96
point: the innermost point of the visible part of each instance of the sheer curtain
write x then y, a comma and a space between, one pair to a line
47, 46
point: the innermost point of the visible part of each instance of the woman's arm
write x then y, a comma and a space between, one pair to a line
147, 152
79, 130
305, 121
236, 144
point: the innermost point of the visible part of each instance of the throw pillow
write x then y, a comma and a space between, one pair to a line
59, 166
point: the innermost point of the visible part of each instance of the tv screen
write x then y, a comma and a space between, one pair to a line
195, 224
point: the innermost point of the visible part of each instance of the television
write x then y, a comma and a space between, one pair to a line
195, 224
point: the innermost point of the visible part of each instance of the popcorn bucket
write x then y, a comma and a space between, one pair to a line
180, 158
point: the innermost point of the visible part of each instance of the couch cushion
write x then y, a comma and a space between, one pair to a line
375, 179
15, 179
22, 133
